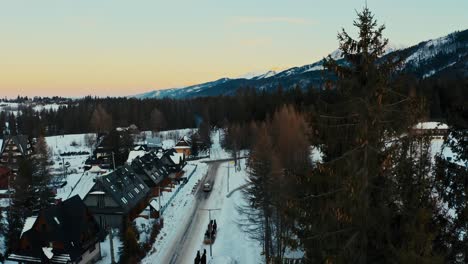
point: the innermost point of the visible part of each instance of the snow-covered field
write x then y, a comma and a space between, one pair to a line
15, 107
69, 168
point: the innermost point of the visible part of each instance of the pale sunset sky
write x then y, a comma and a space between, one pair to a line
124, 47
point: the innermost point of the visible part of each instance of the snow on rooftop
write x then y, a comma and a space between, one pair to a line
177, 157
28, 224
181, 147
430, 125
135, 154
97, 192
83, 186
154, 204
48, 252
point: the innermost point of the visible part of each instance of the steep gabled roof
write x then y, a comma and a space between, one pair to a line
69, 223
21, 141
124, 186
151, 166
184, 142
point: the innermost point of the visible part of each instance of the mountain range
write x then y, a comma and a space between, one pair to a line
447, 55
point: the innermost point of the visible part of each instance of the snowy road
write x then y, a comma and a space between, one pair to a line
231, 245
185, 223
189, 237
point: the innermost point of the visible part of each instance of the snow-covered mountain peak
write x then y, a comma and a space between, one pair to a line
256, 75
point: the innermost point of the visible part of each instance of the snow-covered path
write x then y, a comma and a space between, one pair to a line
232, 245
183, 236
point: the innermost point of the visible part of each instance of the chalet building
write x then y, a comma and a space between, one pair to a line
13, 150
174, 160
433, 129
151, 170
184, 146
64, 233
116, 195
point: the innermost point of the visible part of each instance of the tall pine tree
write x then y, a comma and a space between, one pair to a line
351, 199
41, 176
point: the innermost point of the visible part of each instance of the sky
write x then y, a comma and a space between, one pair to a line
124, 47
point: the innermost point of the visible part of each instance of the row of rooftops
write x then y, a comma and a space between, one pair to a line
71, 222
124, 185
131, 183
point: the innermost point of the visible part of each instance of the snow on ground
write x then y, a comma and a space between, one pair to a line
175, 134
176, 215
2, 239
68, 168
15, 107
217, 151
106, 251
231, 244
48, 107
68, 143
168, 143
144, 227
135, 154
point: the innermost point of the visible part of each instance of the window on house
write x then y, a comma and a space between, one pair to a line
131, 195
136, 190
142, 186
124, 200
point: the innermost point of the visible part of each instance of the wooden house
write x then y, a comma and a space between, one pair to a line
184, 146
174, 160
151, 170
13, 150
116, 195
64, 233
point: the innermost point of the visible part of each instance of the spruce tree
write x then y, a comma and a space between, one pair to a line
452, 187
257, 212
22, 204
352, 199
130, 251
41, 176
